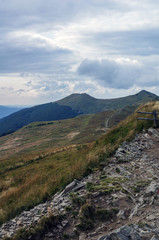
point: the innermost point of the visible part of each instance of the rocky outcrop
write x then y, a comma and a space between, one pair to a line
133, 232
124, 195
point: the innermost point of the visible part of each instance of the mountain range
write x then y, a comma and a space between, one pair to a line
84, 103
69, 107
6, 111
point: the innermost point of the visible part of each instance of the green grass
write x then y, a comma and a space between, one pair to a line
31, 178
41, 136
87, 104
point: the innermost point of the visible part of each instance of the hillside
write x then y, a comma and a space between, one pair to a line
39, 136
70, 107
87, 104
44, 112
28, 180
116, 202
5, 111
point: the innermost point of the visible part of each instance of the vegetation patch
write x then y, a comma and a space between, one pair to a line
38, 231
87, 213
109, 184
76, 199
139, 185
106, 214
32, 182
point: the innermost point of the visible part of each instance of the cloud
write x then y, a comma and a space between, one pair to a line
29, 53
43, 42
131, 43
120, 74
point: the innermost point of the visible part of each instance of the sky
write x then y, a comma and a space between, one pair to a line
50, 49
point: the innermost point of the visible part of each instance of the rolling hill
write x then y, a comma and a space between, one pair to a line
84, 103
70, 107
39, 136
44, 112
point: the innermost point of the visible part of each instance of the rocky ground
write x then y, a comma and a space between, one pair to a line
118, 202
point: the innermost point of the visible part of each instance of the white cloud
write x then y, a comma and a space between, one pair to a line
43, 42
120, 74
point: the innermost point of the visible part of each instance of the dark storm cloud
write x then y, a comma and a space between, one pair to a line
116, 75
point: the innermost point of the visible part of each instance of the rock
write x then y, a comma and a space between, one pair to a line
92, 234
121, 214
82, 237
49, 235
152, 188
104, 238
64, 223
71, 235
153, 132
121, 150
154, 238
69, 187
118, 236
59, 226
126, 230
135, 236
134, 211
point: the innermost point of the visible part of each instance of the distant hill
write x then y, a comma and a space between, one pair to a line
84, 103
6, 111
44, 112
70, 107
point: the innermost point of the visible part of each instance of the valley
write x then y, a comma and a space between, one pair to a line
42, 158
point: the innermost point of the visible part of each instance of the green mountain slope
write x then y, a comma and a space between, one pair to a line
39, 136
29, 179
87, 104
70, 107
44, 112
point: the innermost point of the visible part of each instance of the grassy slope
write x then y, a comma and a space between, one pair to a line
40, 136
43, 112
69, 107
87, 104
28, 180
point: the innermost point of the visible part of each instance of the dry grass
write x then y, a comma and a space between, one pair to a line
29, 179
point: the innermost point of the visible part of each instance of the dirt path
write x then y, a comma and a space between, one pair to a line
111, 116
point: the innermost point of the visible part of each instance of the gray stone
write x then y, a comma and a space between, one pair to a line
71, 235
126, 230
69, 187
154, 238
135, 236
118, 236
152, 188
104, 238
121, 214
64, 223
49, 235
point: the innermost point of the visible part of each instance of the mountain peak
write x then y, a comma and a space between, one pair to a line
144, 92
